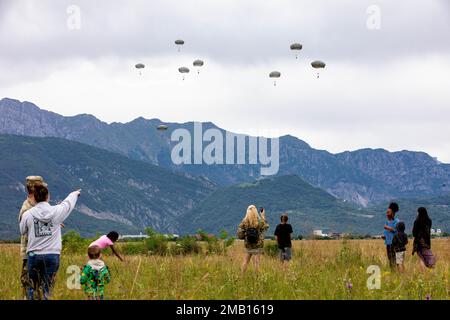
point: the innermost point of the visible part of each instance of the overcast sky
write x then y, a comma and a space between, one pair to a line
386, 83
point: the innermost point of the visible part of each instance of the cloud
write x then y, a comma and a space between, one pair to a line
232, 31
381, 88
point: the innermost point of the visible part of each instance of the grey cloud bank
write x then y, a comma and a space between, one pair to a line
381, 88
231, 31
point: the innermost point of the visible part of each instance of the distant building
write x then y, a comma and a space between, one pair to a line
133, 236
319, 233
144, 236
336, 235
436, 232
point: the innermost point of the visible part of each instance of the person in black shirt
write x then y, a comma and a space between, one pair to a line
283, 234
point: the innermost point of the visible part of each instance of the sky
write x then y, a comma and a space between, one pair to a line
385, 85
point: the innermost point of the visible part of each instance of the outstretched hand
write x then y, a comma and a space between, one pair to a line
263, 213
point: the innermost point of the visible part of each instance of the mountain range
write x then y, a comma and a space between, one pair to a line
308, 207
128, 195
130, 181
364, 177
117, 192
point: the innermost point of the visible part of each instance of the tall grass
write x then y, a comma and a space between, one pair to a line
318, 270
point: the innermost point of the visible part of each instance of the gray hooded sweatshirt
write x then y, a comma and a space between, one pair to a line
42, 225
96, 264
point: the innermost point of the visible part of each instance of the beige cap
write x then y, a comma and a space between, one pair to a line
33, 180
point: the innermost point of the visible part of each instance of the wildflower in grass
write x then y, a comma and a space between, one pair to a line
428, 297
349, 285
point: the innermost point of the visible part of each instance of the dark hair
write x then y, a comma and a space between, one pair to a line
394, 207
284, 217
423, 217
30, 187
40, 193
113, 236
94, 252
401, 226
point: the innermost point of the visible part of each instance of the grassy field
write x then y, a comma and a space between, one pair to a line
319, 270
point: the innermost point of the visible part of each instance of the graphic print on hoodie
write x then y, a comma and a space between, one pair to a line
42, 228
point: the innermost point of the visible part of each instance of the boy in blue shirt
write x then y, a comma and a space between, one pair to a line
390, 228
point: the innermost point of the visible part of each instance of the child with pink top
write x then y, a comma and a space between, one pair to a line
106, 241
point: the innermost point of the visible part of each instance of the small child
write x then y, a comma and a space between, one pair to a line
95, 275
399, 243
107, 241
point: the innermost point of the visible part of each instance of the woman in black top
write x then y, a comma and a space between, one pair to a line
422, 239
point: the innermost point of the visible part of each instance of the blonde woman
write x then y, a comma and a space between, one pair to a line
252, 229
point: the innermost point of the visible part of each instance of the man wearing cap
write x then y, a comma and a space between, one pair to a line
29, 203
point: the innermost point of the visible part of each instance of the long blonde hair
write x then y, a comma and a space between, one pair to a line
251, 219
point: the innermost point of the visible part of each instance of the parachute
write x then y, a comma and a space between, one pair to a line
140, 66
296, 47
275, 75
183, 70
179, 43
162, 127
318, 65
198, 64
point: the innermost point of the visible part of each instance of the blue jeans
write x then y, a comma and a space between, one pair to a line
42, 269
